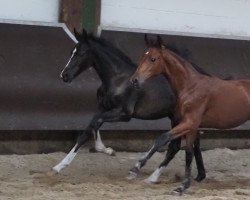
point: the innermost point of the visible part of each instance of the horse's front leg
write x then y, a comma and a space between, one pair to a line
199, 160
100, 147
114, 115
70, 156
134, 171
187, 129
190, 138
173, 148
82, 139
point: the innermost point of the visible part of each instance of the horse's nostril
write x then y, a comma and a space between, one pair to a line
134, 80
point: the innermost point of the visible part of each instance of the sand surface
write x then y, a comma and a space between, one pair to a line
97, 176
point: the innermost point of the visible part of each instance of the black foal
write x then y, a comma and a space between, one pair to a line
118, 100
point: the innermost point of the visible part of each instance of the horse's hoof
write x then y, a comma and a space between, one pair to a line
150, 181
134, 170
92, 150
177, 192
55, 170
131, 175
110, 151
51, 173
200, 177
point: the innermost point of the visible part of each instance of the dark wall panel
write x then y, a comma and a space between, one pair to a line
32, 96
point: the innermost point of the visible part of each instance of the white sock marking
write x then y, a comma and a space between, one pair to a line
66, 161
153, 178
100, 147
138, 164
73, 53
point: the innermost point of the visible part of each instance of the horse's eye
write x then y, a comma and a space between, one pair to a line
153, 59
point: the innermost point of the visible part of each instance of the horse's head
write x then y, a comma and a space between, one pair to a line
80, 60
151, 63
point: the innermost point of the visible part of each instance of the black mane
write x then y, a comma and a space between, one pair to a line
112, 49
184, 53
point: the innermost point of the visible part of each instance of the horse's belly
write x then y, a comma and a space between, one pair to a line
151, 111
219, 123
226, 116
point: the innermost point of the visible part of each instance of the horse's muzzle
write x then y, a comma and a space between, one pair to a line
65, 78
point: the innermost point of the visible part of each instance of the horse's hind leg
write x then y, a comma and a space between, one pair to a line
199, 160
100, 147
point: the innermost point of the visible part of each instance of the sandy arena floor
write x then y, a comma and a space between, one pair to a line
97, 176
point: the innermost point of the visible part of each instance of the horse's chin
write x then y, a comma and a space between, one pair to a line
67, 80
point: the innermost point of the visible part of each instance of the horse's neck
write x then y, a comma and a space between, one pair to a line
179, 72
109, 69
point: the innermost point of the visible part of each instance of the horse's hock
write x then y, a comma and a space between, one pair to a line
40, 113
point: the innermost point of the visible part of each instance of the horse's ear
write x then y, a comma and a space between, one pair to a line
78, 36
146, 40
159, 41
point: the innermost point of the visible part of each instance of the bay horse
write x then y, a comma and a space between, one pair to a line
117, 99
203, 100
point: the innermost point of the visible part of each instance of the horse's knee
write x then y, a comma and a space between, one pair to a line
162, 140
83, 138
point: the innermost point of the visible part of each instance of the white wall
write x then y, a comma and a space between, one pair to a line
30, 10
213, 18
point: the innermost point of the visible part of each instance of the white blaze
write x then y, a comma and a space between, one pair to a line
73, 53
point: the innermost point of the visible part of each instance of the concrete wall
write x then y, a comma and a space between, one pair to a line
30, 10
30, 142
220, 19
